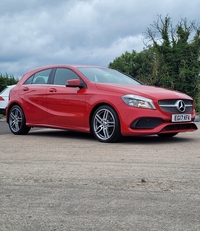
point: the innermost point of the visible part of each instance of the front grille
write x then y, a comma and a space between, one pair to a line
170, 105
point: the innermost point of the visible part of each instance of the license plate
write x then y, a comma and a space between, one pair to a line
181, 117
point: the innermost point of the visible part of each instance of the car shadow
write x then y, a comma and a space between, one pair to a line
55, 133
156, 140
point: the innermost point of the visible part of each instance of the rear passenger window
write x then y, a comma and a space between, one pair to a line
40, 77
62, 75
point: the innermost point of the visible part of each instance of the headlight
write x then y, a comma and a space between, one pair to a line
138, 101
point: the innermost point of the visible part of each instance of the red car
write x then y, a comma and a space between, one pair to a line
99, 100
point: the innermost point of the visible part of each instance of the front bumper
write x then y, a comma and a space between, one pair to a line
136, 121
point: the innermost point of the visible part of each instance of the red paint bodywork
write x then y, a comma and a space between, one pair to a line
72, 107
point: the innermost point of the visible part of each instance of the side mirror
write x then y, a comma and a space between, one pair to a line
74, 83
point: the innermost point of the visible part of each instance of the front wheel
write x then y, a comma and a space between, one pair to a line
105, 124
17, 121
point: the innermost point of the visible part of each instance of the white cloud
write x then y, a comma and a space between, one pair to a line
40, 32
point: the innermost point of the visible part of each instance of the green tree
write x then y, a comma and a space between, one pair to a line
170, 59
126, 63
6, 80
137, 65
177, 53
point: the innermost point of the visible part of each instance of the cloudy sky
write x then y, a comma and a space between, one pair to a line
34, 33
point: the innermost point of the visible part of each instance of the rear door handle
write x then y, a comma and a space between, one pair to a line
25, 89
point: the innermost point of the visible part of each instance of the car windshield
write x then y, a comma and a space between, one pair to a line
106, 75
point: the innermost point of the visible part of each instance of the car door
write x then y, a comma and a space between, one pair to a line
66, 105
33, 94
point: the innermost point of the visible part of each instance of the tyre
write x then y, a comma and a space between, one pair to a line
105, 124
17, 121
167, 135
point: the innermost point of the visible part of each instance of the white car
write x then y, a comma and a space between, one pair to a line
4, 96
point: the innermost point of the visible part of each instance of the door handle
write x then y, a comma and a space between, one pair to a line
52, 90
25, 89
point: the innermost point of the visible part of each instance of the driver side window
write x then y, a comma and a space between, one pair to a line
62, 75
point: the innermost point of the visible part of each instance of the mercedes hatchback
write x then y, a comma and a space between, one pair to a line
96, 100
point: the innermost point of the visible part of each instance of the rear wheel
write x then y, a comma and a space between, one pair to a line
17, 121
167, 135
105, 124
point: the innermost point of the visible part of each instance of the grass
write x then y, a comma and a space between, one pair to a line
2, 116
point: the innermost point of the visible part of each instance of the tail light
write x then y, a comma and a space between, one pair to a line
1, 98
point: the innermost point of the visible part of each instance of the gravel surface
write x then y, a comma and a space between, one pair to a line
59, 180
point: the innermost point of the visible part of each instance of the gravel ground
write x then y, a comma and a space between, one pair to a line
59, 180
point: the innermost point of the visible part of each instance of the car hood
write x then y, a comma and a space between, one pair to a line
143, 90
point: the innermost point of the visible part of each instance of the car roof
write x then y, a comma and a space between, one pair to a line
71, 66
10, 86
64, 66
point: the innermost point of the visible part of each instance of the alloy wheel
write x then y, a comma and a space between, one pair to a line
17, 121
106, 124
